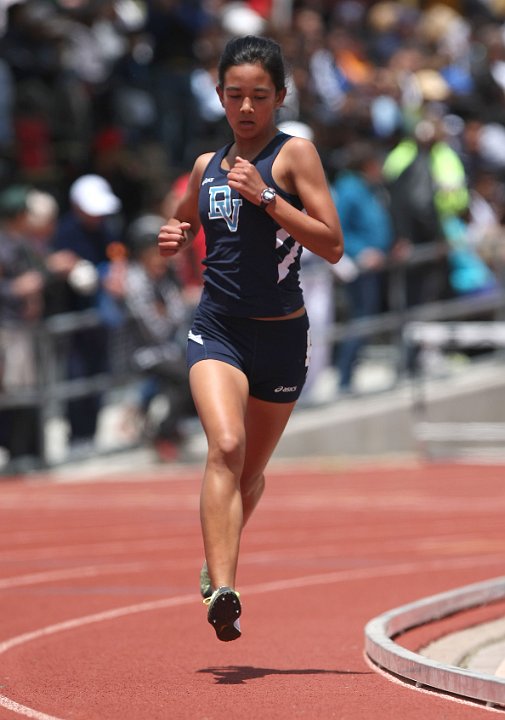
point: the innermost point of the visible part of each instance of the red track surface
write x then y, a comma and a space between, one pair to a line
100, 617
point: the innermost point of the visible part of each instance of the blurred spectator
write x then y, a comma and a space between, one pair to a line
7, 98
124, 169
87, 231
27, 270
94, 42
487, 65
306, 36
211, 128
389, 28
427, 183
364, 211
31, 47
42, 212
468, 272
174, 27
486, 219
153, 297
343, 80
240, 18
125, 90
133, 103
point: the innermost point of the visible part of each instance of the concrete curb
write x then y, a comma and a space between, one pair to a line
384, 652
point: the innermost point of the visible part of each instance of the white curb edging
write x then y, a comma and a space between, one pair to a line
382, 650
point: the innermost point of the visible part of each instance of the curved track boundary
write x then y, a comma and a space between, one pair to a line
164, 603
388, 655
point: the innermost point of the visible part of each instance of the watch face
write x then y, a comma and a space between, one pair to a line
268, 195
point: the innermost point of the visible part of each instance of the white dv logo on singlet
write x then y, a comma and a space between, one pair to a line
222, 206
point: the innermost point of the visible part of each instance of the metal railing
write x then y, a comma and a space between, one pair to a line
53, 388
389, 326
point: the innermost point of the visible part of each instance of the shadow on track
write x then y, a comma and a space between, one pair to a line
240, 674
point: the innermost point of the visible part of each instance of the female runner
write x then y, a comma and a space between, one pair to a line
260, 200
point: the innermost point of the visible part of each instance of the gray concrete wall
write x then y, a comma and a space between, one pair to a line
386, 423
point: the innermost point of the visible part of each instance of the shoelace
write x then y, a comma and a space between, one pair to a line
207, 601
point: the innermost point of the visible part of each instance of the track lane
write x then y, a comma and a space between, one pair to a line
327, 550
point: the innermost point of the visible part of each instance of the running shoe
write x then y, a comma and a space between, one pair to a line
224, 613
205, 584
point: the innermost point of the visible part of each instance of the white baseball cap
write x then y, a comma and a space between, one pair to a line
94, 196
237, 18
297, 129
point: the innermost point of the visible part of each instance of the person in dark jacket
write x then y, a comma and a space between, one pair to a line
362, 204
86, 230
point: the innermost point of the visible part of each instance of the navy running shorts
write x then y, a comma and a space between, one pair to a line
273, 354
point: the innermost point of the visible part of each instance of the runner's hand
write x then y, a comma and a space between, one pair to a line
172, 238
245, 178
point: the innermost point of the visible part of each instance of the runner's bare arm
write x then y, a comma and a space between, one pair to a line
181, 229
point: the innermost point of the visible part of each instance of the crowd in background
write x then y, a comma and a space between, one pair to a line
104, 105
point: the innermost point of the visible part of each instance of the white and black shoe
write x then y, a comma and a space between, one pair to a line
223, 613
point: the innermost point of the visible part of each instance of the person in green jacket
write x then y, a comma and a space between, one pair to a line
427, 184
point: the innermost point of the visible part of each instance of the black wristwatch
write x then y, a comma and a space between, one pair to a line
267, 195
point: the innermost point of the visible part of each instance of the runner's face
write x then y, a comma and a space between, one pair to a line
250, 99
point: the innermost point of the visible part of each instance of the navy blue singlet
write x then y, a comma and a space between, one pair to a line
252, 265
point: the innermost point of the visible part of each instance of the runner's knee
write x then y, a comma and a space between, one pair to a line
228, 449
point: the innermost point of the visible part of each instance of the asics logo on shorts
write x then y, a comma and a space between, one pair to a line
282, 388
222, 206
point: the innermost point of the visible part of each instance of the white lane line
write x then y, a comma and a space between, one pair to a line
23, 710
100, 548
6, 645
258, 556
302, 502
95, 618
273, 586
264, 557
65, 574
338, 576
